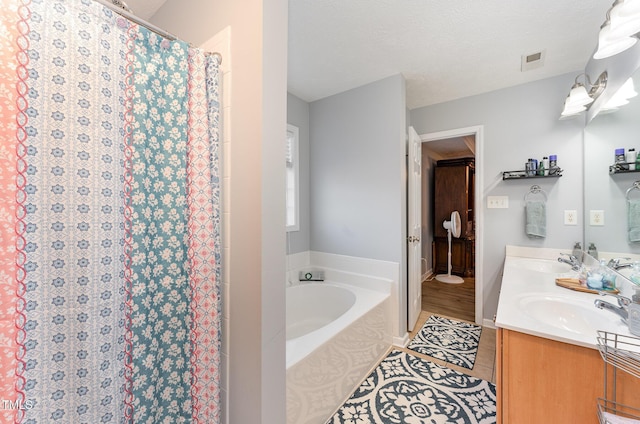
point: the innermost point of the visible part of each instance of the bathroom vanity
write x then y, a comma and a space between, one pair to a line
549, 369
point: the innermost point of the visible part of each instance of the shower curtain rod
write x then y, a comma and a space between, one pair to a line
119, 7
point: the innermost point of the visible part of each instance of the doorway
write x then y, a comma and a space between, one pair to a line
462, 301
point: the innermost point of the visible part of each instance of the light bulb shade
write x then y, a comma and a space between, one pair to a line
622, 96
626, 9
608, 47
627, 90
571, 109
610, 43
624, 25
615, 102
578, 96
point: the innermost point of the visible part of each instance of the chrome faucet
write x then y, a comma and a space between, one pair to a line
616, 265
570, 260
621, 309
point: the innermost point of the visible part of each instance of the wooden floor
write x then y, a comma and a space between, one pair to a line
452, 300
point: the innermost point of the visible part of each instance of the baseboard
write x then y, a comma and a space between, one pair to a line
426, 275
401, 341
488, 323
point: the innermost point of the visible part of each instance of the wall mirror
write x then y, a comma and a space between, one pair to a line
606, 217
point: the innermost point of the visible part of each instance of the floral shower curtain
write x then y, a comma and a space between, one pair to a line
109, 220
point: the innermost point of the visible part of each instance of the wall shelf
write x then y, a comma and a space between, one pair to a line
522, 175
616, 168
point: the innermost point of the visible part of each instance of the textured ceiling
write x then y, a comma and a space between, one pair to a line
445, 49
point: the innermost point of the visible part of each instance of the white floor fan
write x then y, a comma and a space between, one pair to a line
453, 227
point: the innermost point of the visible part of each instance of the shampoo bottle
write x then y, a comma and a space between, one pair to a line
631, 159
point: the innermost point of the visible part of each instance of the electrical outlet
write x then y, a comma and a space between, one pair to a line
596, 218
570, 217
497, 202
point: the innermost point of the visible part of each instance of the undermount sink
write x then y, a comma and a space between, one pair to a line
542, 265
573, 315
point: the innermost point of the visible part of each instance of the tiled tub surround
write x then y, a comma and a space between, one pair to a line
325, 365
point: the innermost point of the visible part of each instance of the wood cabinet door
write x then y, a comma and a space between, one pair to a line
458, 256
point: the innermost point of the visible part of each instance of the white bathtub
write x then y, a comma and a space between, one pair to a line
335, 334
312, 306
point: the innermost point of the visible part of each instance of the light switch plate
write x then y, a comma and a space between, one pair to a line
497, 202
596, 217
570, 217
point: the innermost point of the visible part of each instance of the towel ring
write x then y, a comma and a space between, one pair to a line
536, 189
635, 186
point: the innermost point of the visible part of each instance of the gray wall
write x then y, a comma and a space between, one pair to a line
519, 122
298, 115
357, 159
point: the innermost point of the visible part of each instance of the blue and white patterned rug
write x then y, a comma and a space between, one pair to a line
406, 389
452, 341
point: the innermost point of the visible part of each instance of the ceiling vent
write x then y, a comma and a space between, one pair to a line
533, 60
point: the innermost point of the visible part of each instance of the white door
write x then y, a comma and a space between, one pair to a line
414, 245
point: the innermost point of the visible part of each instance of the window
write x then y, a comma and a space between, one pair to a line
293, 192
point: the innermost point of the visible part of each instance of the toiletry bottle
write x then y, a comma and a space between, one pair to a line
545, 163
594, 278
620, 159
583, 273
577, 251
631, 159
541, 168
553, 164
593, 251
608, 277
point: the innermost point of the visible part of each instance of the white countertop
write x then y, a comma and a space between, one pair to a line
531, 303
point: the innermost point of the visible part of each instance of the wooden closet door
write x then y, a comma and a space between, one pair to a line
451, 194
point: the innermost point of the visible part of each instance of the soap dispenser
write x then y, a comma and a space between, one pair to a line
593, 251
577, 251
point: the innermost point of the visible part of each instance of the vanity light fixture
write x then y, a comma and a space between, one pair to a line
579, 98
622, 96
620, 30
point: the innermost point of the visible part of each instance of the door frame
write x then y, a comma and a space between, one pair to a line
478, 132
